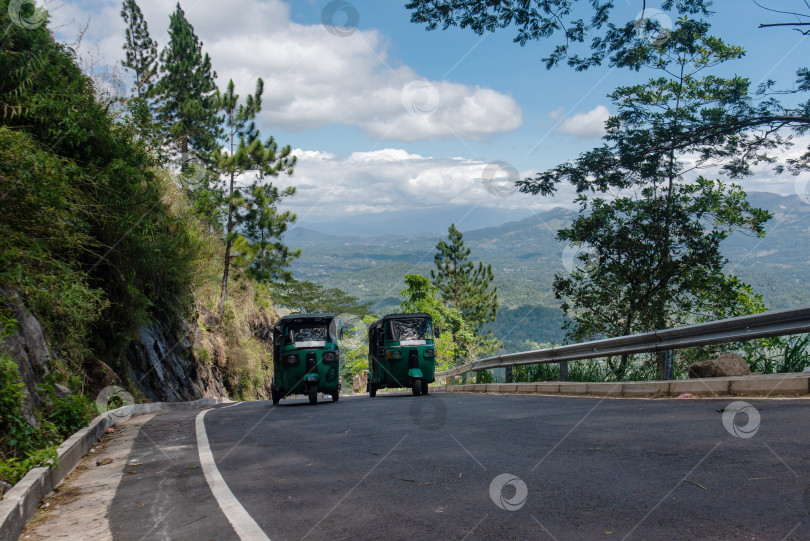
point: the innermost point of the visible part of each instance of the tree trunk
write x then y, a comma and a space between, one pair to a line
228, 242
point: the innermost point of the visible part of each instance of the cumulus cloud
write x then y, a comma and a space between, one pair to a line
394, 180
312, 77
589, 125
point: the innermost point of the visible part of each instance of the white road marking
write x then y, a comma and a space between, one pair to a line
231, 405
246, 528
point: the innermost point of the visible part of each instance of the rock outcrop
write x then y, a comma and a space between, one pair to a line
360, 381
727, 364
162, 364
29, 350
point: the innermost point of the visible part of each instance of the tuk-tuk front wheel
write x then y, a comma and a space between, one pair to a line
416, 386
313, 394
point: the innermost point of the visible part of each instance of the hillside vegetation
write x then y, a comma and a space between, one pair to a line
97, 241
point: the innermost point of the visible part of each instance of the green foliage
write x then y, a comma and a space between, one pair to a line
254, 209
463, 286
85, 232
354, 348
785, 355
659, 259
186, 92
540, 19
140, 48
267, 258
467, 289
22, 446
311, 298
457, 341
71, 413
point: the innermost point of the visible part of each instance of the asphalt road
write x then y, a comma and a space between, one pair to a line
403, 467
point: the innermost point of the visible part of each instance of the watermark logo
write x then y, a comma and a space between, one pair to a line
106, 91
193, 171
751, 426
24, 13
355, 331
117, 401
500, 179
497, 491
420, 98
428, 412
802, 188
340, 18
653, 26
580, 255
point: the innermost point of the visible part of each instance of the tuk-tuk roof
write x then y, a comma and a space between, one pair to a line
400, 316
293, 317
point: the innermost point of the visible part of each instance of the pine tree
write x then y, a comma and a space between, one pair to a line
186, 92
264, 227
140, 48
469, 291
246, 153
464, 286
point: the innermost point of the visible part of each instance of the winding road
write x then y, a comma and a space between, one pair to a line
468, 466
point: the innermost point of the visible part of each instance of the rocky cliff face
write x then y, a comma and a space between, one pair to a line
162, 364
30, 351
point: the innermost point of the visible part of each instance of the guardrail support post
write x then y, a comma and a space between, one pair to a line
668, 364
564, 371
451, 380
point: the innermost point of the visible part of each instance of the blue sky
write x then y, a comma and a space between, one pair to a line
391, 118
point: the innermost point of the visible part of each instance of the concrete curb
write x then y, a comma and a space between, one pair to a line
764, 385
19, 504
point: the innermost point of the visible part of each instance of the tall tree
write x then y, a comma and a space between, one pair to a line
247, 154
186, 92
465, 287
263, 228
141, 54
658, 241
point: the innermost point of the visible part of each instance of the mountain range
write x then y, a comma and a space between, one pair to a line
525, 255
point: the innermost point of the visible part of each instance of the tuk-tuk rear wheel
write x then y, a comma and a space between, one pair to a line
424, 387
416, 386
335, 396
276, 395
372, 390
313, 394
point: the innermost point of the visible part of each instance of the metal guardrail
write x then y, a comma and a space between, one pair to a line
736, 329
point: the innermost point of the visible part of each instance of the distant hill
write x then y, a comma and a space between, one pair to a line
525, 255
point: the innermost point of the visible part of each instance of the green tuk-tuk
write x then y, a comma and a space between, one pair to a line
305, 357
401, 353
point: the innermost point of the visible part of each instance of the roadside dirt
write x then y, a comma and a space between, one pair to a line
78, 508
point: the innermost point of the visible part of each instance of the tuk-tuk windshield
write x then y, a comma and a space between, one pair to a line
308, 335
410, 330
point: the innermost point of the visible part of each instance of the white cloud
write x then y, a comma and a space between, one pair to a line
590, 125
394, 180
312, 77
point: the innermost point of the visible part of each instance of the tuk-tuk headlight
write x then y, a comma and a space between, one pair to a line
291, 359
331, 357
430, 352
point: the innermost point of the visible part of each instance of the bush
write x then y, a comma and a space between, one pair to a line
71, 413
22, 446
